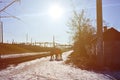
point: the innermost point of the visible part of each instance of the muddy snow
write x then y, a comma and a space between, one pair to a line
43, 69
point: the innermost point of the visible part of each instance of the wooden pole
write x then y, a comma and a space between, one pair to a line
99, 32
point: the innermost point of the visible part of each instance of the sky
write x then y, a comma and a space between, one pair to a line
39, 25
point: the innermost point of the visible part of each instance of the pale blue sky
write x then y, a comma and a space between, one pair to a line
40, 26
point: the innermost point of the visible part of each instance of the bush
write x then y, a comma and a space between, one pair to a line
82, 61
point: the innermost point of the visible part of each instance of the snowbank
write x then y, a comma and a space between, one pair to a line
22, 54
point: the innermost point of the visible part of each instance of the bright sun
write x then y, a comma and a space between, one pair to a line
55, 11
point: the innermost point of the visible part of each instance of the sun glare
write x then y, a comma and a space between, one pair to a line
56, 11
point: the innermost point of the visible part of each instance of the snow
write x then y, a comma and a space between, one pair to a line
43, 69
22, 54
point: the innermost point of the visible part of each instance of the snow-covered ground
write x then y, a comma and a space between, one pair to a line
43, 69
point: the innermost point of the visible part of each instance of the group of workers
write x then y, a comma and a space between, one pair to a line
56, 54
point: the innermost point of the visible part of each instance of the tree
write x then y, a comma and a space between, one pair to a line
82, 31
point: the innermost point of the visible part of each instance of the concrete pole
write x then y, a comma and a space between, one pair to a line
27, 38
1, 32
99, 32
53, 42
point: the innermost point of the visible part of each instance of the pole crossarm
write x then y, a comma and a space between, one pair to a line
10, 17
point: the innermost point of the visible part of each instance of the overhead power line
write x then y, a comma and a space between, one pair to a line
8, 5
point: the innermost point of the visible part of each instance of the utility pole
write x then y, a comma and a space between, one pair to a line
53, 42
1, 23
99, 32
1, 32
27, 38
